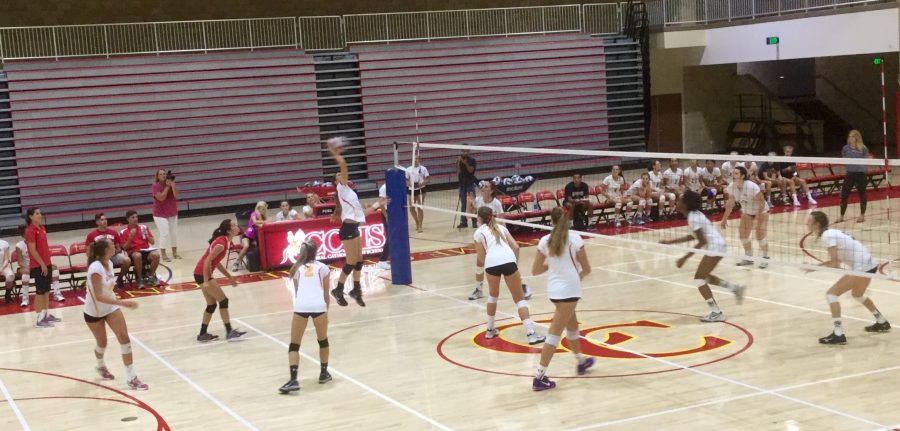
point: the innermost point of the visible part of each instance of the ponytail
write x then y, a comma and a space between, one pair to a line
222, 230
308, 250
559, 236
486, 215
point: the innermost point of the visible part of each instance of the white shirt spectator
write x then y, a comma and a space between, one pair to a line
655, 180
692, 179
292, 215
673, 178
24, 249
614, 187
711, 177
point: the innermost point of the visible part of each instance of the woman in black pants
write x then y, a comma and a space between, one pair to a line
856, 174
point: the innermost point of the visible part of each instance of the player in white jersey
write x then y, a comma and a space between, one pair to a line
351, 213
711, 178
708, 238
497, 254
101, 309
659, 193
673, 177
692, 177
23, 272
729, 166
642, 196
416, 179
844, 250
486, 199
310, 283
754, 214
9, 278
561, 255
613, 188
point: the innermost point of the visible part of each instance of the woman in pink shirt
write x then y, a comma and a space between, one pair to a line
165, 212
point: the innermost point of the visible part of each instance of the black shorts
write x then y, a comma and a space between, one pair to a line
873, 270
348, 231
308, 315
91, 319
41, 281
198, 279
505, 270
575, 299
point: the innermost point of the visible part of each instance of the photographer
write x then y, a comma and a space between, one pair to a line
465, 171
165, 212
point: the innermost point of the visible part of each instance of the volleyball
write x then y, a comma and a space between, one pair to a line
337, 143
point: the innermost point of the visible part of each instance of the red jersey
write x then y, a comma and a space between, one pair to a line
108, 234
139, 241
37, 235
223, 241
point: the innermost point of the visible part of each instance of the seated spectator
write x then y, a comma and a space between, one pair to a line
771, 175
136, 241
120, 259
642, 197
286, 213
713, 183
23, 271
309, 210
9, 278
578, 202
789, 173
257, 218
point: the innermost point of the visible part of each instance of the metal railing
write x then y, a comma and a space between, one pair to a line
681, 12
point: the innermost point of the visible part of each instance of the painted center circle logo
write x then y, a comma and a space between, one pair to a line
613, 337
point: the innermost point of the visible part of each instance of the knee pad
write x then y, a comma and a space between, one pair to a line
56, 273
746, 242
572, 335
224, 303
831, 298
699, 282
861, 298
293, 347
126, 348
359, 266
479, 270
347, 269
323, 344
211, 308
522, 304
551, 340
492, 299
763, 242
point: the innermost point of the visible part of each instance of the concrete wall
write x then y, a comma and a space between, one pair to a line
708, 107
667, 68
788, 78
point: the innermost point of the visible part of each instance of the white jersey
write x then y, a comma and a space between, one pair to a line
692, 179
673, 178
4, 248
417, 176
614, 187
493, 205
309, 288
382, 191
562, 274
496, 252
655, 180
711, 177
292, 214
306, 211
850, 251
93, 307
747, 197
636, 187
24, 263
714, 241
351, 209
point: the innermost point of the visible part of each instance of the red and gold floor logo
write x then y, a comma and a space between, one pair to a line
611, 336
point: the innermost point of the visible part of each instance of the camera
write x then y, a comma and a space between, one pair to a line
170, 176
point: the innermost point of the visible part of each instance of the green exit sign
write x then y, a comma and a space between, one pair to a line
877, 61
772, 40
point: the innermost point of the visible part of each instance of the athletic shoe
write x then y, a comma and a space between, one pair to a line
879, 327
235, 335
796, 202
357, 295
137, 385
833, 339
59, 298
104, 373
713, 317
764, 264
339, 296
526, 291
534, 338
462, 225
236, 267
584, 365
383, 265
477, 293
324, 377
739, 293
491, 333
140, 284
811, 200
52, 319
154, 280
618, 223
542, 384
24, 303
290, 386
8, 296
745, 262
203, 338
43, 324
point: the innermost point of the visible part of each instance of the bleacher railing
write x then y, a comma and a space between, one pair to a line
686, 12
335, 32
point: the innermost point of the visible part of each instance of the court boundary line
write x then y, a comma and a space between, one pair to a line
14, 406
194, 384
362, 385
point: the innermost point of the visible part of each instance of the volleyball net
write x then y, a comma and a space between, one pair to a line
630, 198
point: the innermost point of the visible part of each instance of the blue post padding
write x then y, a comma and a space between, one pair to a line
398, 233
